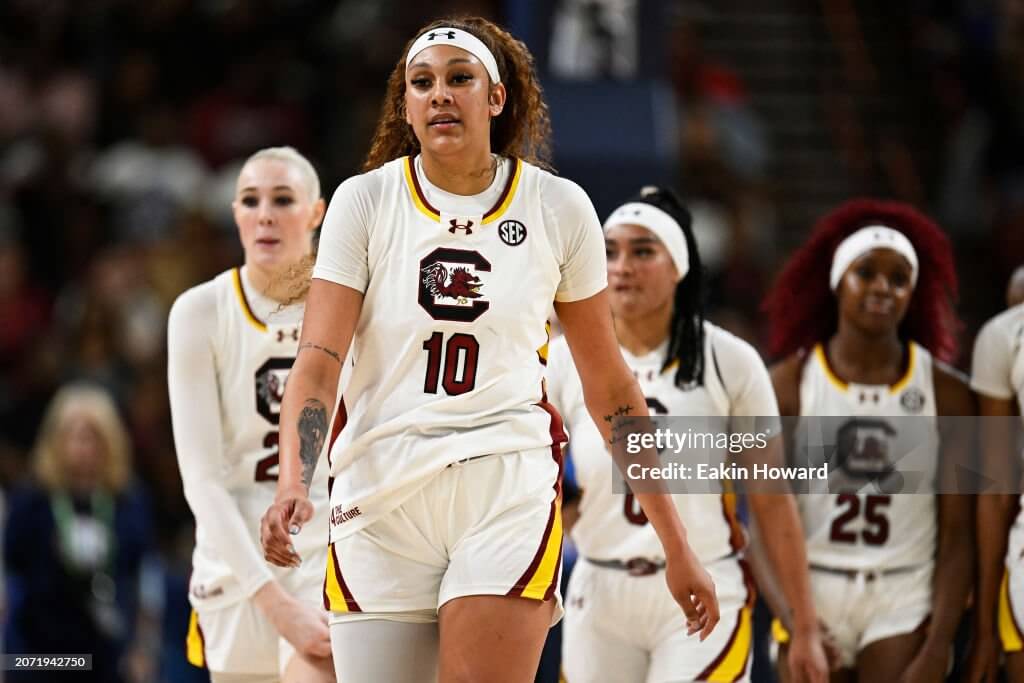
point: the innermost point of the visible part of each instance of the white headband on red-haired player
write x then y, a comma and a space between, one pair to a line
863, 241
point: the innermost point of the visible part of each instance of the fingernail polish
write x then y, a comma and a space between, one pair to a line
294, 529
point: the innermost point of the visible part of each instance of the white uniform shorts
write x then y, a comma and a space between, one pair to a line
865, 607
490, 525
620, 627
238, 639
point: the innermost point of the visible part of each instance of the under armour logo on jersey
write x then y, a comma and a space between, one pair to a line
865, 397
294, 335
450, 35
455, 226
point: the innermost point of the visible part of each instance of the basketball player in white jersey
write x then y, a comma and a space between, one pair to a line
439, 265
231, 345
997, 375
620, 624
861, 313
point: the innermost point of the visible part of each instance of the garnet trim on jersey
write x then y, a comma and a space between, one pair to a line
427, 209
236, 276
822, 358
737, 539
340, 419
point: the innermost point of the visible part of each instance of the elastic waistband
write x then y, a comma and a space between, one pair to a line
635, 566
868, 574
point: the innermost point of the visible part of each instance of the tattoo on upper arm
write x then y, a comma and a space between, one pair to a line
329, 352
619, 427
312, 433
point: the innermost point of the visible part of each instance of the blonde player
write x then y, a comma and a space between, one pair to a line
997, 376
868, 297
620, 624
441, 262
231, 345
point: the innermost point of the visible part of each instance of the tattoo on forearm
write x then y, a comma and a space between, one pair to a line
329, 352
619, 427
312, 432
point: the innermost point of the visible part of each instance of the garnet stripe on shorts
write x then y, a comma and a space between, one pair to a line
337, 596
539, 580
731, 662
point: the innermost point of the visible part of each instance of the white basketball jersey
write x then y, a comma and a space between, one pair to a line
998, 371
449, 346
253, 358
612, 525
883, 519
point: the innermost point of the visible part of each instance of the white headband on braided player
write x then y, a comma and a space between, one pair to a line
863, 241
665, 228
446, 35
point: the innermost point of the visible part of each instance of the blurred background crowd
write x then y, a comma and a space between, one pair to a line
123, 125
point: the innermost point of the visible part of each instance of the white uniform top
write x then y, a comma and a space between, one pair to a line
447, 349
870, 427
226, 374
997, 371
612, 526
997, 367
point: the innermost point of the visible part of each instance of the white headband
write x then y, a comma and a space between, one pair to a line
863, 241
664, 227
446, 35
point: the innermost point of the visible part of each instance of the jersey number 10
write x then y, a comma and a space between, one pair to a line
461, 349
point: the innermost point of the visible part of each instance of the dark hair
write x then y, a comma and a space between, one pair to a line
522, 130
686, 337
802, 308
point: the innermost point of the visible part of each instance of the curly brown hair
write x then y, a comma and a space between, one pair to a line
522, 130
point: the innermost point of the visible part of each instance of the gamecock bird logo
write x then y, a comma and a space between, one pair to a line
460, 284
450, 284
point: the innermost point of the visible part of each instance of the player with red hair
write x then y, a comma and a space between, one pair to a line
862, 318
803, 309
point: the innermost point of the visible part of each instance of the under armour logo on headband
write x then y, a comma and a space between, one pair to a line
459, 38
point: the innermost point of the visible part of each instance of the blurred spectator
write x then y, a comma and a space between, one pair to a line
1015, 288
149, 178
594, 40
24, 316
718, 123
254, 108
75, 542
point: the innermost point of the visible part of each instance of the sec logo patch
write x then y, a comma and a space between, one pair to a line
512, 233
912, 400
